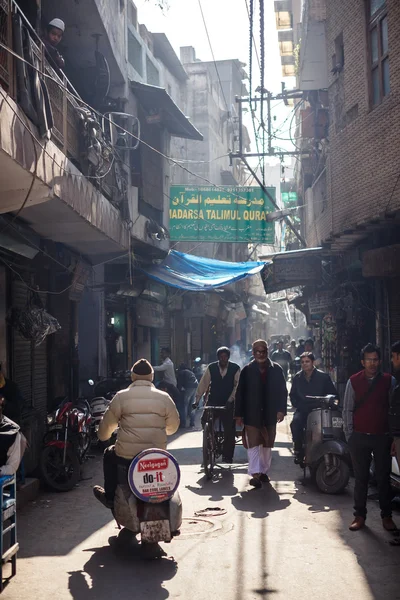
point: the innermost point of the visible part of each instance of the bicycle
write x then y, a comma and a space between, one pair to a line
213, 439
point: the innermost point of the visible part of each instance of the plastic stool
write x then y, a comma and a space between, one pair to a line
8, 504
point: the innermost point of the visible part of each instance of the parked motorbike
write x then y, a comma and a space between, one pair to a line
147, 501
325, 450
98, 406
65, 444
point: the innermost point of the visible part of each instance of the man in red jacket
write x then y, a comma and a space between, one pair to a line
366, 426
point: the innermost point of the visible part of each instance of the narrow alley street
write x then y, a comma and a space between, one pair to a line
286, 541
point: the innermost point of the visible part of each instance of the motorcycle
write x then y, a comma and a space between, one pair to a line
98, 406
147, 500
325, 450
65, 444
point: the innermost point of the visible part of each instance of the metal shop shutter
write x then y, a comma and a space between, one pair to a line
164, 333
394, 309
29, 364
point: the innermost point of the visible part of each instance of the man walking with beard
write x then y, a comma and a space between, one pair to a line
260, 404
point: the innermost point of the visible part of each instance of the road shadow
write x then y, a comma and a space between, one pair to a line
115, 574
260, 502
70, 517
378, 560
217, 488
306, 492
194, 455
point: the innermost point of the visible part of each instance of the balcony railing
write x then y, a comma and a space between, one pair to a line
67, 130
5, 38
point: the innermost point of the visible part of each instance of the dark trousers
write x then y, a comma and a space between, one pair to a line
362, 446
229, 425
110, 470
188, 412
298, 424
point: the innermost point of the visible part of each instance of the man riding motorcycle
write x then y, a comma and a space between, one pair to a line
145, 416
308, 382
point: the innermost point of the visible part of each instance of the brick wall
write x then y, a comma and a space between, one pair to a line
364, 159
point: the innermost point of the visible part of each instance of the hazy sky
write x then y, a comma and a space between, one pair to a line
228, 27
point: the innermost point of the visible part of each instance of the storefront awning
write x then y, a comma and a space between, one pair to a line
198, 274
160, 108
293, 269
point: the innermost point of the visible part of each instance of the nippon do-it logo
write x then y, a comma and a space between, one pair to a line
154, 475
153, 465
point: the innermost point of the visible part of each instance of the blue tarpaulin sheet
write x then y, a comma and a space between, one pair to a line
198, 274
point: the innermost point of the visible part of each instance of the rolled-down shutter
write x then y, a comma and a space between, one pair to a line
22, 371
29, 363
394, 309
164, 333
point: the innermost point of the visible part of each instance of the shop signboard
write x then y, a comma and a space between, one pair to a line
212, 302
288, 272
289, 199
154, 475
221, 214
319, 304
149, 314
381, 262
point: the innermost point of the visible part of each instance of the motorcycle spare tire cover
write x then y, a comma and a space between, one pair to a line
154, 475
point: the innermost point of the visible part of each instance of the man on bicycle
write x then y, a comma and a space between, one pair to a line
219, 383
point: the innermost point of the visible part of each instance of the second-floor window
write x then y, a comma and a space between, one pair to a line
379, 50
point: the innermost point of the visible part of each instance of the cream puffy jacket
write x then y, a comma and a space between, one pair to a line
145, 417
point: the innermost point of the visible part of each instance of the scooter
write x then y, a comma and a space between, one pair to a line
147, 500
325, 450
394, 475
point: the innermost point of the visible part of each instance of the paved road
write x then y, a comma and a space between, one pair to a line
286, 541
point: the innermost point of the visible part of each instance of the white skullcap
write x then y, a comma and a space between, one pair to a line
58, 23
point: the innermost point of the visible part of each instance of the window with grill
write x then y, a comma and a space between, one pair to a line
378, 51
135, 53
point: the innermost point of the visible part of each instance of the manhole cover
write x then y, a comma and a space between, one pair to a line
215, 511
195, 526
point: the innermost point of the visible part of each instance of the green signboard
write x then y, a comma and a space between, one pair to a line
289, 198
222, 214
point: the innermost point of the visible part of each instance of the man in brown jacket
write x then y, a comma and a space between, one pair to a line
145, 416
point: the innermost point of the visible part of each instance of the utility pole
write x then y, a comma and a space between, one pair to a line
285, 96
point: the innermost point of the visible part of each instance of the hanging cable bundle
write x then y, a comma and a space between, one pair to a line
33, 322
251, 19
262, 62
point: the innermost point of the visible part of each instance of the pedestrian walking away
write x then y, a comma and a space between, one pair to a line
261, 400
366, 427
282, 357
219, 384
308, 382
187, 385
300, 348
